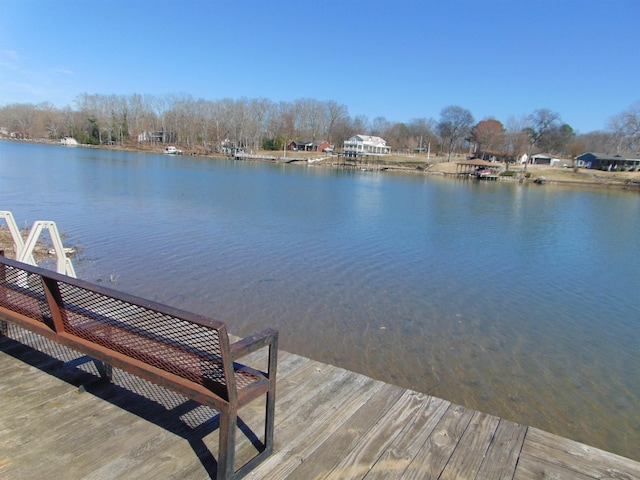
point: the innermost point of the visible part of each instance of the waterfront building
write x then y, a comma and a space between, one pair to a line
365, 145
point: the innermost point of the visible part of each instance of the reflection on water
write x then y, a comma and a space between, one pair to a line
517, 300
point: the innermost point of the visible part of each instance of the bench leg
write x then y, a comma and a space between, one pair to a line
227, 445
270, 412
104, 369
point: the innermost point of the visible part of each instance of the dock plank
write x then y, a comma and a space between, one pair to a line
471, 449
577, 457
405, 446
504, 451
322, 419
59, 420
531, 468
327, 455
363, 457
432, 458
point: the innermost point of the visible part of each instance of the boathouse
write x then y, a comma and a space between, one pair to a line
479, 168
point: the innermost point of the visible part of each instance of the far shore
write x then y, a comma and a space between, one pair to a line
417, 164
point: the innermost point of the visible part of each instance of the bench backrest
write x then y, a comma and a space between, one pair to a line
182, 343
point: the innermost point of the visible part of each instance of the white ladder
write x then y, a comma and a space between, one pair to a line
24, 249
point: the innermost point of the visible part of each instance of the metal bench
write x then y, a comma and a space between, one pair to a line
187, 353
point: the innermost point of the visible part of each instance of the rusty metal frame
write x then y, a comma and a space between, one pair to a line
187, 353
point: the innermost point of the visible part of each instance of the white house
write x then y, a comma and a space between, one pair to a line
544, 159
365, 145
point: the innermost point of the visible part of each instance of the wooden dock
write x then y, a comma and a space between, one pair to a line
59, 420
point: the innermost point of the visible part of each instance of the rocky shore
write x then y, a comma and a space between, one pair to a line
41, 250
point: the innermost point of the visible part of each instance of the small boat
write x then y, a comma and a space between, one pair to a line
172, 151
483, 173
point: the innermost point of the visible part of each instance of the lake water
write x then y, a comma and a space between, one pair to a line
516, 300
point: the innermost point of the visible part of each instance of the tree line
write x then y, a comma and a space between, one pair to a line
260, 124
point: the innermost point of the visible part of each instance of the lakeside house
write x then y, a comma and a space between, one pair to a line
365, 145
496, 156
544, 159
306, 146
606, 161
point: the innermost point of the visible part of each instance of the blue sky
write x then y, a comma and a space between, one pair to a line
400, 59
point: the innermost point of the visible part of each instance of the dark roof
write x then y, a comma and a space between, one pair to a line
606, 156
476, 162
546, 155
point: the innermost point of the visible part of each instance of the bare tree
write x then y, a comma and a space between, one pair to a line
400, 137
380, 126
423, 131
575, 148
47, 121
539, 124
360, 124
625, 127
68, 118
94, 110
632, 124
454, 125
139, 112
20, 117
599, 141
516, 141
180, 119
338, 120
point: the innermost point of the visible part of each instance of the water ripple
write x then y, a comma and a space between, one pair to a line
516, 301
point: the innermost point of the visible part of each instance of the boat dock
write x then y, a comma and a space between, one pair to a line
60, 420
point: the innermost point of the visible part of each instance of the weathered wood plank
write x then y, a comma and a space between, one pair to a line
70, 412
306, 393
301, 380
432, 458
326, 457
359, 460
312, 424
582, 459
159, 456
99, 427
502, 457
330, 423
294, 373
27, 355
142, 445
401, 452
470, 451
24, 385
531, 468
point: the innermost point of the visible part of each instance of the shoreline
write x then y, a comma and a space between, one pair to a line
405, 164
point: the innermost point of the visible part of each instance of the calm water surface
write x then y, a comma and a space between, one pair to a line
517, 300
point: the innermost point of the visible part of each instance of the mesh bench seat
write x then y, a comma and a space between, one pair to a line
187, 353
